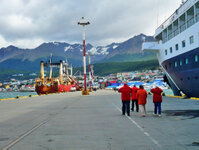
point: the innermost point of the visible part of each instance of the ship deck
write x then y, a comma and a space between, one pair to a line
94, 122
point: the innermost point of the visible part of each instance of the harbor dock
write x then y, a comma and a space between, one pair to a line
95, 122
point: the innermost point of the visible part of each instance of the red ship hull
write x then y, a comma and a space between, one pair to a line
45, 89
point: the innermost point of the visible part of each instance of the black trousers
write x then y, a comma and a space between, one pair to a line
136, 103
126, 107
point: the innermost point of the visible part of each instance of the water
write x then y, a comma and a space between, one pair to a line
166, 91
15, 94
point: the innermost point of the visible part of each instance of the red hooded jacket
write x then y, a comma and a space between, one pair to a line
141, 95
126, 92
157, 97
134, 93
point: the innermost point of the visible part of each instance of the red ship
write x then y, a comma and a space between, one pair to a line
62, 83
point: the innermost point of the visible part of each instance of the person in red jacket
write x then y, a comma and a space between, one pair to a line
126, 97
134, 98
142, 96
157, 99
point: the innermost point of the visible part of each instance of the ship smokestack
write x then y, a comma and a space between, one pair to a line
61, 72
42, 69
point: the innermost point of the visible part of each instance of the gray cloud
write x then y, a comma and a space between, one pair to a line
27, 23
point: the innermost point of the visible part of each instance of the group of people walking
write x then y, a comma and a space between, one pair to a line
138, 96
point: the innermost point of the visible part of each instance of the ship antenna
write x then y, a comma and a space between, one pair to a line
183, 1
51, 57
157, 12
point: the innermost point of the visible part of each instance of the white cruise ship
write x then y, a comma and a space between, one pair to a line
177, 48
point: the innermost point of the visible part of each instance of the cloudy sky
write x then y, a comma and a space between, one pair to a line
28, 23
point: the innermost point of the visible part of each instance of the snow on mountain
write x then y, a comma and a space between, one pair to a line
93, 51
74, 51
68, 48
104, 51
115, 46
56, 43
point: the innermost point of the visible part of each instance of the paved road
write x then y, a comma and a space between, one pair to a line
75, 122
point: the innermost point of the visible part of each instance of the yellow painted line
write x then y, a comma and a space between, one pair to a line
34, 95
15, 98
194, 98
7, 99
175, 96
24, 97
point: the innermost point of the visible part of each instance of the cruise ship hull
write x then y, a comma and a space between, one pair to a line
186, 76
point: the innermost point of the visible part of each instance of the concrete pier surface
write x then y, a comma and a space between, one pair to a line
71, 121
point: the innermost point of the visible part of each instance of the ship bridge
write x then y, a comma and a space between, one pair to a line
151, 46
184, 17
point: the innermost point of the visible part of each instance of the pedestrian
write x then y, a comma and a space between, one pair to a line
142, 96
126, 97
134, 98
157, 100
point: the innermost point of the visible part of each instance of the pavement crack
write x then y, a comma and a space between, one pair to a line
11, 144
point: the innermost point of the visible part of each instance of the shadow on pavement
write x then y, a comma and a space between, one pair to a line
185, 113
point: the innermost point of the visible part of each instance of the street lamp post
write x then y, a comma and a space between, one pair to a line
83, 22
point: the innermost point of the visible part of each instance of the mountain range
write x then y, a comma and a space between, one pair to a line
16, 58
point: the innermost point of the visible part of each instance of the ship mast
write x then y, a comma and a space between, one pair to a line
61, 72
51, 68
42, 71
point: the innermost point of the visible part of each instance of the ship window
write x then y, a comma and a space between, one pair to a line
190, 17
171, 50
186, 60
164, 36
176, 64
196, 77
176, 47
170, 65
191, 40
188, 78
183, 43
197, 11
175, 27
182, 23
196, 58
165, 51
166, 67
180, 62
170, 35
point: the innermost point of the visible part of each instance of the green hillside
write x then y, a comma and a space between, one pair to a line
114, 67
131, 57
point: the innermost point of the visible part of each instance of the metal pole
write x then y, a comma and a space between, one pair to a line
51, 69
84, 23
84, 55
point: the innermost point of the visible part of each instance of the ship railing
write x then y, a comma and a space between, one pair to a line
183, 27
197, 17
170, 36
184, 7
190, 22
176, 32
